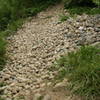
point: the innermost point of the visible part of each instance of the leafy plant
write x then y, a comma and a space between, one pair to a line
82, 6
82, 68
11, 10
2, 53
63, 18
81, 10
96, 2
1, 98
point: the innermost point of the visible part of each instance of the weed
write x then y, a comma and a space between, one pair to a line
2, 53
1, 98
81, 10
63, 18
82, 68
40, 98
82, 6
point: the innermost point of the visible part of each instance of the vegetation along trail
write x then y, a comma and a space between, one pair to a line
34, 48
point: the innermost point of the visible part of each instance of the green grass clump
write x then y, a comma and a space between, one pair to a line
11, 28
63, 18
2, 91
1, 98
11, 10
86, 10
82, 6
82, 68
2, 53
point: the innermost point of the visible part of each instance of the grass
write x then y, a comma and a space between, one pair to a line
82, 68
11, 29
86, 10
82, 6
40, 98
1, 91
9, 10
77, 10
1, 98
2, 53
63, 18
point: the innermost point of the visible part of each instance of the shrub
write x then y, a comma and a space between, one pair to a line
82, 68
63, 18
97, 2
1, 98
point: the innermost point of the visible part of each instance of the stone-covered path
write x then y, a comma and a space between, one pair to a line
34, 48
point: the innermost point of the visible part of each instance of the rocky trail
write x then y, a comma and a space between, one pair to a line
34, 48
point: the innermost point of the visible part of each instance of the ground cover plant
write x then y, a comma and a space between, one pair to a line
79, 7
2, 53
82, 68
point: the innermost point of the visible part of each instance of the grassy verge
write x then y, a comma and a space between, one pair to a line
79, 7
82, 10
82, 68
12, 27
1, 91
1, 98
73, 11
